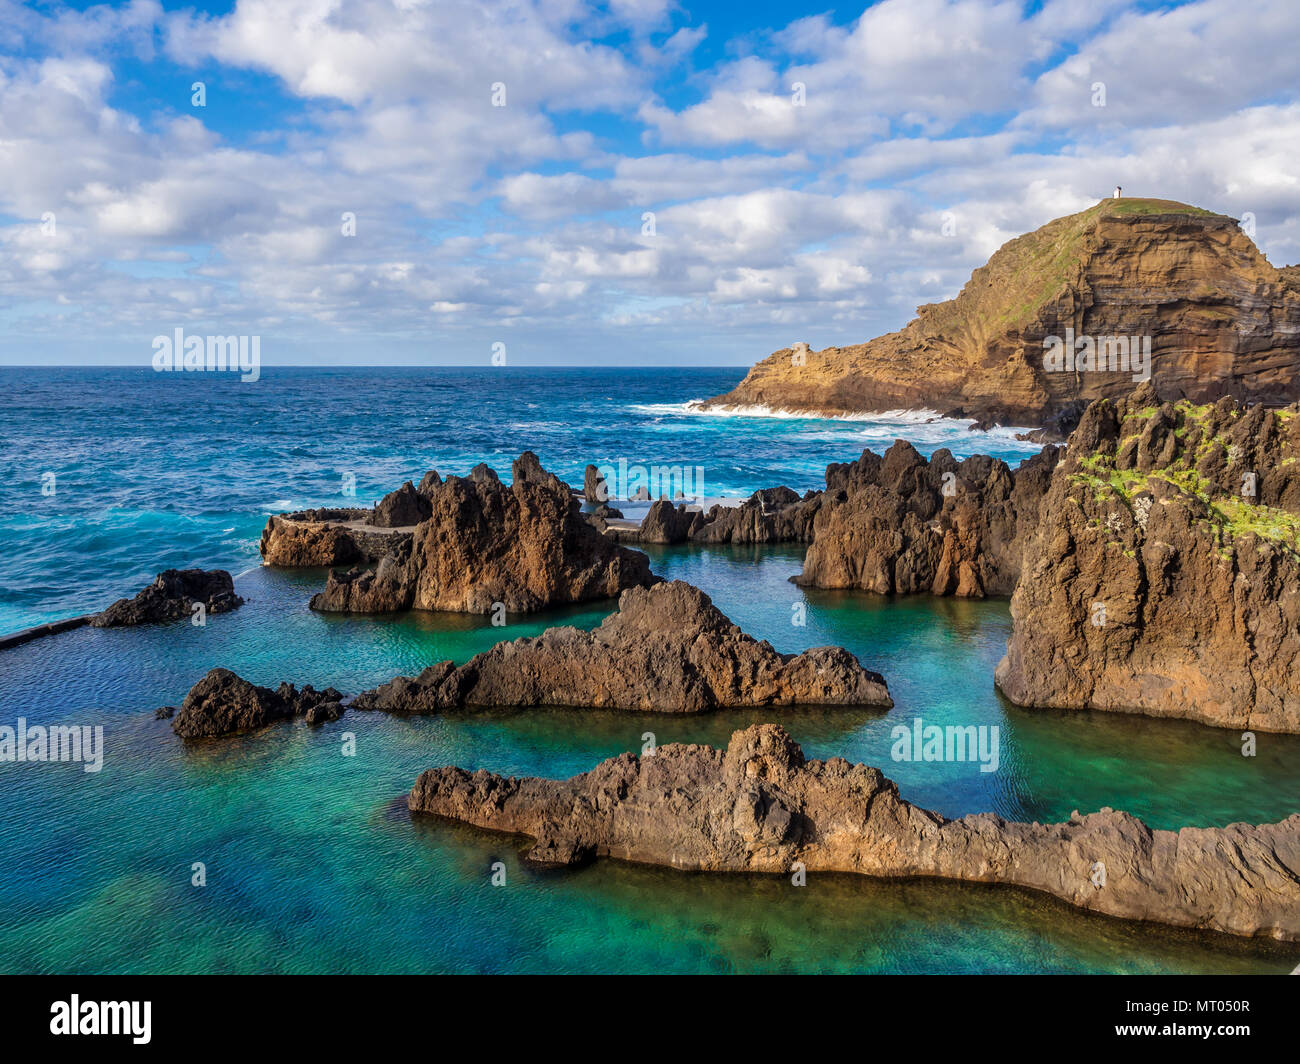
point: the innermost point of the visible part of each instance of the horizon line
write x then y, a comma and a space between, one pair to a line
380, 365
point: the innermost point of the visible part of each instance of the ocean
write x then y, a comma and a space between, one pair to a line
309, 861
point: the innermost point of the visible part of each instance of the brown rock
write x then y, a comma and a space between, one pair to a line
773, 515
668, 649
759, 806
1153, 585
222, 703
1221, 319
594, 488
403, 507
312, 538
897, 524
171, 597
525, 546
666, 523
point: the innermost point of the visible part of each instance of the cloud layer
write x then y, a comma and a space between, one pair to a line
388, 180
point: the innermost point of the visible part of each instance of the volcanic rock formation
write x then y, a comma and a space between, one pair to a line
759, 806
898, 524
668, 649
1221, 320
1164, 577
222, 703
525, 546
172, 596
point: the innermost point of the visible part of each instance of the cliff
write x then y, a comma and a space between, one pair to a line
1164, 575
1221, 320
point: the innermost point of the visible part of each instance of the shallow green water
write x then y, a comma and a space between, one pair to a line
314, 865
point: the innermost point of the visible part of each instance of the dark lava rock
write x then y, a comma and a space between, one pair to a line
222, 703
402, 507
172, 596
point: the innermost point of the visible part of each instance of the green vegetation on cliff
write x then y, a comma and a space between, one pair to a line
1205, 466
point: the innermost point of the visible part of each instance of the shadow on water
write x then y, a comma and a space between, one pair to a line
641, 918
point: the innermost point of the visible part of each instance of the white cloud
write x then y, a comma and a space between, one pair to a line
772, 221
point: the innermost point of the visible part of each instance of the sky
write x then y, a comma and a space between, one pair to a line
636, 182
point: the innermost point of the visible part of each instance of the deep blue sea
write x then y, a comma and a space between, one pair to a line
152, 470
311, 861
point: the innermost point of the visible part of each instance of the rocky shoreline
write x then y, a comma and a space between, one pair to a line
1142, 511
1063, 534
760, 806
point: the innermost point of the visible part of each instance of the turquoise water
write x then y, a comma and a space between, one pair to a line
312, 862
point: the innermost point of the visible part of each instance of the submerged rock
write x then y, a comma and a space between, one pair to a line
222, 703
171, 597
668, 649
525, 546
1165, 575
759, 806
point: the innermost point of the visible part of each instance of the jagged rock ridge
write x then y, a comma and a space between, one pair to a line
898, 524
524, 546
759, 806
668, 649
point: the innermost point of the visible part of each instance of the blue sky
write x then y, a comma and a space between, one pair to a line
813, 173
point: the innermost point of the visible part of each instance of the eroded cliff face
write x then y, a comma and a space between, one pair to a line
1164, 576
759, 806
898, 524
1221, 319
524, 546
